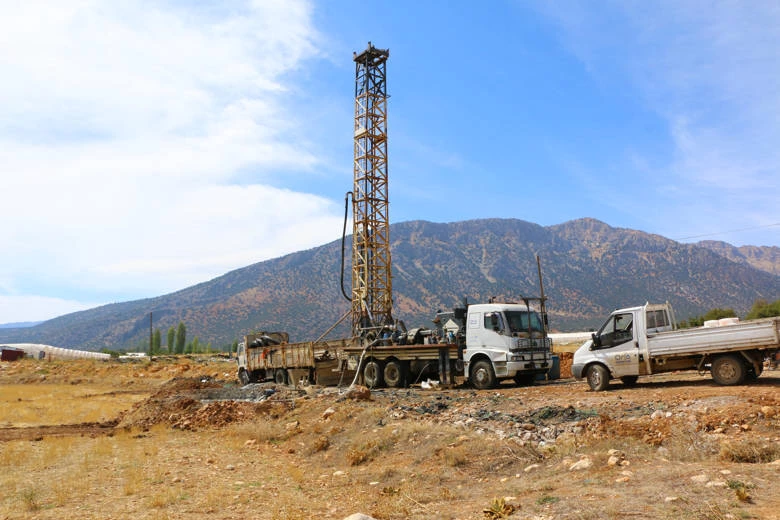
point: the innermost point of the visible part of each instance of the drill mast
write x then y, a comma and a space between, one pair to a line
372, 294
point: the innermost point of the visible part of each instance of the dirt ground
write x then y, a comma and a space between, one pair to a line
187, 441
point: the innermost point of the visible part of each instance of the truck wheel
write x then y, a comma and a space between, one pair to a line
728, 370
598, 377
629, 380
243, 376
280, 376
372, 374
482, 375
394, 374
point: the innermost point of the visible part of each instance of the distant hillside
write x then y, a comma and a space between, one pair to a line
764, 258
21, 324
589, 269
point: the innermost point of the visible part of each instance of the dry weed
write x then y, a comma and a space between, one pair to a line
754, 451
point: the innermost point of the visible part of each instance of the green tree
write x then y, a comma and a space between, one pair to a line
171, 337
712, 314
156, 341
181, 338
234, 347
763, 309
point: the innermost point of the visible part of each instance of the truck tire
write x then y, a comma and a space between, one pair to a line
372, 374
280, 376
394, 374
728, 370
629, 380
482, 376
243, 376
598, 377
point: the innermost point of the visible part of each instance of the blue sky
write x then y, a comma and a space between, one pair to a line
149, 146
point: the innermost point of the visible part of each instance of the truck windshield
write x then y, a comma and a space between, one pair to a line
523, 321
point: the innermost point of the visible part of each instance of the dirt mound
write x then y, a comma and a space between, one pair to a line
566, 362
203, 402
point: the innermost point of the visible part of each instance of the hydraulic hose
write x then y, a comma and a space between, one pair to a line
343, 239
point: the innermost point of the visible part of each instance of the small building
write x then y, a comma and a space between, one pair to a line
11, 353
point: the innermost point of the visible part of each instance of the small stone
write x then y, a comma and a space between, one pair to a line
292, 426
230, 467
581, 464
532, 467
718, 430
768, 411
700, 479
716, 484
613, 461
658, 414
613, 452
622, 479
359, 516
625, 463
338, 473
725, 472
671, 499
358, 393
374, 483
327, 413
250, 442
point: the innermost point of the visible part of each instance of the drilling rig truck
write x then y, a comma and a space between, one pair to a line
486, 343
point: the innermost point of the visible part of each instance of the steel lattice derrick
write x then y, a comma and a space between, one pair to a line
371, 267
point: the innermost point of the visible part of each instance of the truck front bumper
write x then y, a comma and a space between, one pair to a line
510, 368
576, 370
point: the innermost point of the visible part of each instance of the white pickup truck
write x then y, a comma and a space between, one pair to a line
640, 341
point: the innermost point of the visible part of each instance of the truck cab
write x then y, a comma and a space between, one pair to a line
504, 341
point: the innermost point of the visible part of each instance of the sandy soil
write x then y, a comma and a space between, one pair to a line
193, 443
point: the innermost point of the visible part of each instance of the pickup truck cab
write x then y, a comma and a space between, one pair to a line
639, 341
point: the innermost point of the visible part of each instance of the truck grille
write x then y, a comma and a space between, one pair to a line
531, 344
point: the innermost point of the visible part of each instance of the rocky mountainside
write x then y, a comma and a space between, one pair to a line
764, 258
589, 269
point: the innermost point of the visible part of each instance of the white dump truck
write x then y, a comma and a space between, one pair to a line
640, 341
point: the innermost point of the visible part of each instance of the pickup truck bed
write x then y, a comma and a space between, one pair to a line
754, 334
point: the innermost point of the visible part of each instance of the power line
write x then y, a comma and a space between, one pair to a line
729, 231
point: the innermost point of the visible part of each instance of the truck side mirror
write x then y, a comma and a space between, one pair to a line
596, 340
494, 321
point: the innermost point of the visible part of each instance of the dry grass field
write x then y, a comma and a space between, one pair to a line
180, 439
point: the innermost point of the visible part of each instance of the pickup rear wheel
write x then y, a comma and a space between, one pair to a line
728, 370
372, 374
482, 375
598, 377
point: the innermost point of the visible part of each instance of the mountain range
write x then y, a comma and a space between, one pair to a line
589, 269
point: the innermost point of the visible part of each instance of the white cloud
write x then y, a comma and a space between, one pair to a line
16, 309
123, 132
709, 71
